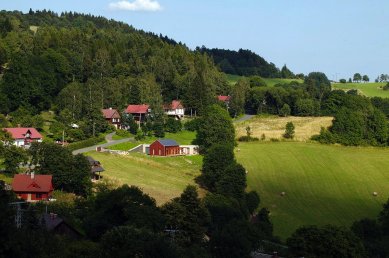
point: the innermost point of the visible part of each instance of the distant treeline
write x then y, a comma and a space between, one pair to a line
247, 63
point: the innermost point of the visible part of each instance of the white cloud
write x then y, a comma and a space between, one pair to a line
136, 5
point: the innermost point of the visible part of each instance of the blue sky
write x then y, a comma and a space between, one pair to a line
338, 37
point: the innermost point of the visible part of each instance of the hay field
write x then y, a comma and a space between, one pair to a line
274, 126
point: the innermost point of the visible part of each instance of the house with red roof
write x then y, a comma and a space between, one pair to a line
112, 116
224, 99
139, 112
175, 109
23, 136
33, 188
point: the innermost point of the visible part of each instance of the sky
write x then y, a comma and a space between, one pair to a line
337, 37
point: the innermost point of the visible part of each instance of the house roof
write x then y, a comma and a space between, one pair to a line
137, 109
174, 105
110, 113
223, 98
51, 221
39, 183
168, 142
20, 132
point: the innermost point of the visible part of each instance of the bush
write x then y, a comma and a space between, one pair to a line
289, 131
342, 80
285, 110
122, 133
325, 136
192, 125
386, 87
172, 125
86, 143
247, 139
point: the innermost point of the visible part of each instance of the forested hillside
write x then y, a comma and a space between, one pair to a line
82, 63
247, 63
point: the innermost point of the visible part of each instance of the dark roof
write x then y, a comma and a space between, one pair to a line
51, 221
32, 184
168, 142
97, 169
92, 161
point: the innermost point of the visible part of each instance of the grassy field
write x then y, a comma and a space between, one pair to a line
323, 184
163, 178
232, 79
274, 126
183, 138
367, 89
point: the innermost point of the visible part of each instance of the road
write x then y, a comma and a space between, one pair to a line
243, 118
109, 142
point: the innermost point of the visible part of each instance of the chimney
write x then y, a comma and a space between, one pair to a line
32, 175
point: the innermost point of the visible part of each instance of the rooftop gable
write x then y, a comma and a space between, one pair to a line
168, 142
137, 109
37, 183
110, 113
20, 132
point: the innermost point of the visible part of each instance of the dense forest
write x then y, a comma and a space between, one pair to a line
246, 63
84, 63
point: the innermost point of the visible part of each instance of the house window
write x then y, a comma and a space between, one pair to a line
38, 195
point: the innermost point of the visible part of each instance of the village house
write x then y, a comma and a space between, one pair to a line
224, 99
33, 188
23, 137
57, 225
139, 112
175, 109
112, 116
96, 168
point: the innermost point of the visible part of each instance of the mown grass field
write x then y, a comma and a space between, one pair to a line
367, 89
232, 79
274, 126
163, 178
323, 184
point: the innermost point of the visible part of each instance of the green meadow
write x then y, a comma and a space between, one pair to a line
163, 178
367, 89
323, 184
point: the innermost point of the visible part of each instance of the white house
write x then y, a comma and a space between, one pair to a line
175, 109
23, 137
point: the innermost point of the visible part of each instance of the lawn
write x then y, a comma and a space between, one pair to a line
183, 138
367, 89
323, 184
274, 126
163, 178
232, 79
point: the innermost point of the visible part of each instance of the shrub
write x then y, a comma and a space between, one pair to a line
122, 133
386, 87
86, 143
172, 125
325, 136
247, 139
285, 110
289, 131
192, 125
342, 80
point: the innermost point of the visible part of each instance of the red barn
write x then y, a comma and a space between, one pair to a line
32, 188
164, 147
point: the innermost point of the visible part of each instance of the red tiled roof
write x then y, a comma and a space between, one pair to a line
20, 132
176, 104
110, 113
40, 183
137, 109
223, 98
